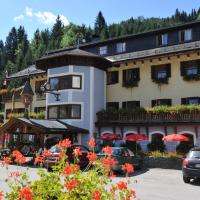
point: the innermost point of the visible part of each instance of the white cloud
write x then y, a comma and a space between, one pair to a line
45, 17
17, 18
64, 20
29, 11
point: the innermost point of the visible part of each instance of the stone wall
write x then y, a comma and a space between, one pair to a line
161, 162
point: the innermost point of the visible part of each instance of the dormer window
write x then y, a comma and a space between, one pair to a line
121, 47
185, 35
162, 39
161, 73
103, 50
190, 70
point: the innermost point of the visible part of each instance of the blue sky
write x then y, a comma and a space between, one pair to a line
33, 14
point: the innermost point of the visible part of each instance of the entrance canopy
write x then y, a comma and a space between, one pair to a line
39, 126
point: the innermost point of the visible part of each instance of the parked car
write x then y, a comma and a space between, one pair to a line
53, 158
191, 165
123, 155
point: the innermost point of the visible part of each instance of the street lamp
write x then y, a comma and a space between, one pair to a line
46, 88
27, 96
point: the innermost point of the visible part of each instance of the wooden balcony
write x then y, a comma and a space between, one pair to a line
8, 97
148, 118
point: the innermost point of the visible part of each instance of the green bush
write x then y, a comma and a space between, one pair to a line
183, 147
156, 146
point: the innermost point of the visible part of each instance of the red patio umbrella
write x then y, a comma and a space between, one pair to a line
175, 138
110, 136
136, 137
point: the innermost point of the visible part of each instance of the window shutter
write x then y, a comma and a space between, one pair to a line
184, 101
137, 104
124, 76
153, 103
168, 102
124, 105
137, 71
182, 69
153, 71
181, 36
168, 66
198, 66
159, 40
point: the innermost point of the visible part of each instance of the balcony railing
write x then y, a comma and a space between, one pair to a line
148, 117
9, 97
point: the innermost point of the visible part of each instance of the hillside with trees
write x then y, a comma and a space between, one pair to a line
17, 52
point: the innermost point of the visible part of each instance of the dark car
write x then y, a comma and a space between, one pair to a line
191, 165
123, 155
53, 158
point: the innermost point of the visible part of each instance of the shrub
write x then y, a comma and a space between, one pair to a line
67, 181
132, 146
156, 146
183, 147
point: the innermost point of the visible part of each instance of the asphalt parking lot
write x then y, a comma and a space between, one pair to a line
153, 184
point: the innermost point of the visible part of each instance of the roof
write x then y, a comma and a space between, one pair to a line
158, 30
72, 57
29, 71
41, 126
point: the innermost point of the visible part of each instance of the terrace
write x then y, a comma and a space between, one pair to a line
156, 115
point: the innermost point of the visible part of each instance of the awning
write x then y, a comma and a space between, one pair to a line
39, 126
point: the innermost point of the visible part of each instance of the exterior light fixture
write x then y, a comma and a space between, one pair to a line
46, 88
27, 96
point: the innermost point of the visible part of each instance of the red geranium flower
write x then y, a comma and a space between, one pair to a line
66, 143
107, 150
16, 153
122, 185
71, 184
108, 162
1, 195
46, 153
128, 168
20, 159
6, 160
70, 169
14, 174
91, 156
77, 152
92, 143
38, 160
96, 195
26, 194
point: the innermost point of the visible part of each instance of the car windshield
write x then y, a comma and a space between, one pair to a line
194, 154
54, 149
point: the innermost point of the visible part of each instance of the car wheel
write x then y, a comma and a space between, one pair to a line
186, 179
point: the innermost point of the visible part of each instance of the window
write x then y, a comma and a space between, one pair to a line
162, 39
103, 50
161, 102
121, 47
112, 105
130, 105
185, 35
190, 101
39, 94
131, 77
112, 77
190, 70
161, 73
69, 111
66, 82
